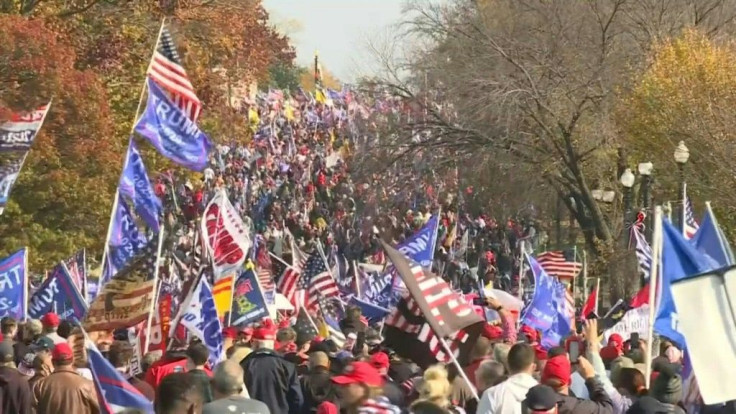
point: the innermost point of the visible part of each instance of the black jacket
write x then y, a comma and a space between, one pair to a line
15, 393
317, 387
272, 379
599, 402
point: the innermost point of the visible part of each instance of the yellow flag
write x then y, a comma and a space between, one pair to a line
222, 294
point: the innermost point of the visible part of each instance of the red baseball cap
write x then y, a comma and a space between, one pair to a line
558, 368
265, 332
359, 373
62, 352
230, 332
380, 360
50, 319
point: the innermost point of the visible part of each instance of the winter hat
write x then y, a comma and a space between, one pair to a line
667, 387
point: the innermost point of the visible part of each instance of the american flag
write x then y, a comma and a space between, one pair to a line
643, 250
288, 282
690, 227
263, 261
555, 263
166, 70
317, 281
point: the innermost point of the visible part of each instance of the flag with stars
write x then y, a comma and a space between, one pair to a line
126, 299
316, 282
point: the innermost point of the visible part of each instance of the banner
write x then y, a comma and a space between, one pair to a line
376, 288
16, 137
226, 236
126, 299
58, 294
634, 320
171, 132
249, 304
14, 286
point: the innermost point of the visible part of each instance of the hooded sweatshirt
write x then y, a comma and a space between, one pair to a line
506, 397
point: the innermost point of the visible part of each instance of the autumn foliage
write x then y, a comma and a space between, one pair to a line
91, 61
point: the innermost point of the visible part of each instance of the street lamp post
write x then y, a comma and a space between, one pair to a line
627, 181
682, 154
645, 170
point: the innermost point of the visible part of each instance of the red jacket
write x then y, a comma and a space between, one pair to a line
167, 365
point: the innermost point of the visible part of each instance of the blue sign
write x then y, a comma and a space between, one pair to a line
58, 294
171, 131
249, 304
14, 286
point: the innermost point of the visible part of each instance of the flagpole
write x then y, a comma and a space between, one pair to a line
653, 276
597, 294
357, 278
457, 365
26, 299
84, 269
683, 208
156, 287
116, 200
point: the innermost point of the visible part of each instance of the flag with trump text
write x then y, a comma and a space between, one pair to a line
429, 312
200, 318
58, 294
226, 237
16, 136
135, 186
549, 311
126, 299
171, 132
14, 285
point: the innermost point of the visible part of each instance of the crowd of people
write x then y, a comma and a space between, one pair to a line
296, 176
272, 370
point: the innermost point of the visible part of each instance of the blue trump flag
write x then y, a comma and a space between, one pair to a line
709, 240
421, 245
249, 303
171, 131
547, 312
126, 241
377, 288
114, 392
135, 185
371, 311
14, 286
679, 260
200, 318
58, 294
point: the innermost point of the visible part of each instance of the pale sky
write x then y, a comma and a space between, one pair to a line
338, 29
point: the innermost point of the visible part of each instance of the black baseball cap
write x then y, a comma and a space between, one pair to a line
542, 398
